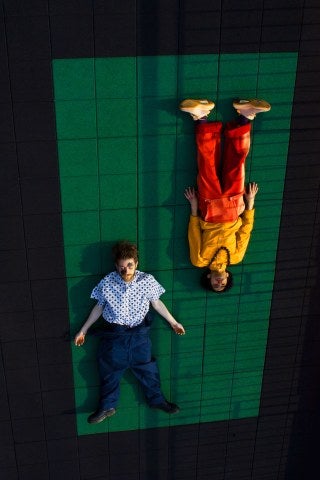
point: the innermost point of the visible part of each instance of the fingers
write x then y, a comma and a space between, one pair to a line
189, 193
179, 330
252, 188
79, 340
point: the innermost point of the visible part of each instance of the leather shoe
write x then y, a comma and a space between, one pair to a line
100, 415
250, 108
197, 108
167, 407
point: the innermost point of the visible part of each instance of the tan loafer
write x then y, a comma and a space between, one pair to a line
250, 108
196, 108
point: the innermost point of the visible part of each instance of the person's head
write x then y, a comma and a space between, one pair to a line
126, 259
217, 282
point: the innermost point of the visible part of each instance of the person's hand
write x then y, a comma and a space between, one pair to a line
178, 328
191, 196
251, 190
249, 195
79, 339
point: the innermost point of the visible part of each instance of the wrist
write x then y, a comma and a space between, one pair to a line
249, 205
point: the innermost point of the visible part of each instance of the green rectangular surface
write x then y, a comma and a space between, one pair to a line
126, 154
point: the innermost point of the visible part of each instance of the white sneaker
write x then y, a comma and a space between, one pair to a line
250, 108
197, 108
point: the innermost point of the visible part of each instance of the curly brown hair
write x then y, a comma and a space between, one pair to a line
124, 250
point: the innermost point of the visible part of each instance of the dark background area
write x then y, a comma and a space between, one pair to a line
38, 436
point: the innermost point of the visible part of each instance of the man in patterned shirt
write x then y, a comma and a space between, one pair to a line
123, 299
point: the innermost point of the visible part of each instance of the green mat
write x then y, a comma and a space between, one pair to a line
126, 154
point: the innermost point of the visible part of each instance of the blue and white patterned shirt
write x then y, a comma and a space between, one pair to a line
126, 303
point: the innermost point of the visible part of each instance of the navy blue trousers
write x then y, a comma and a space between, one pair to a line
123, 348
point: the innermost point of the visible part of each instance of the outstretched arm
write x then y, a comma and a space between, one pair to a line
160, 307
191, 196
250, 194
96, 313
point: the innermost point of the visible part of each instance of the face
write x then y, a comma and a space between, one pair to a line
218, 280
126, 269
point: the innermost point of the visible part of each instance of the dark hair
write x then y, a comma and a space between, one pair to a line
124, 250
206, 284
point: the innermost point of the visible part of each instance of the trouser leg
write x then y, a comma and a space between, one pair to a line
112, 363
208, 141
145, 368
236, 149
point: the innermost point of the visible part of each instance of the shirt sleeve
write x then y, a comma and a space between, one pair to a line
195, 242
154, 290
243, 235
97, 293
